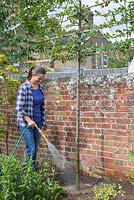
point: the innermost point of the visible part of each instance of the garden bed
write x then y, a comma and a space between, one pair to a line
86, 187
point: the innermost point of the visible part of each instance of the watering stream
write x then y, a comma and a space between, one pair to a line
57, 156
67, 173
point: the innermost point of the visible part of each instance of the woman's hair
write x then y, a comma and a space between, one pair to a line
35, 70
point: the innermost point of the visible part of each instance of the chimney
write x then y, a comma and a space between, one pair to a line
91, 17
87, 16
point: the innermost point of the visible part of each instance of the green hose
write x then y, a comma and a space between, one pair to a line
18, 142
16, 146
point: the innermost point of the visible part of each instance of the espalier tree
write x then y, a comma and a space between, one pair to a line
72, 43
76, 31
43, 27
7, 97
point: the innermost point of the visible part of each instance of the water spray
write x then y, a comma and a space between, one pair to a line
57, 156
67, 174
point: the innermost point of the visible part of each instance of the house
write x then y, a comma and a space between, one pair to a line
95, 61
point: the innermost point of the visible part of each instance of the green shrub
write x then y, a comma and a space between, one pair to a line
7, 96
17, 183
107, 191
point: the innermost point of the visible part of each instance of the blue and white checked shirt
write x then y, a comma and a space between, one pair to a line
24, 104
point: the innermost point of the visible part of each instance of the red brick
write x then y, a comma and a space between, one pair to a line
87, 114
109, 172
86, 120
106, 125
120, 115
109, 165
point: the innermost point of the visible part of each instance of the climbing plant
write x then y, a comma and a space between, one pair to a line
8, 95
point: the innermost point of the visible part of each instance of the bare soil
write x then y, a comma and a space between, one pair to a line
86, 186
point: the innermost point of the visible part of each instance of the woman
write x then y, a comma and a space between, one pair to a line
31, 110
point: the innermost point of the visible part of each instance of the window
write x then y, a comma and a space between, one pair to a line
105, 60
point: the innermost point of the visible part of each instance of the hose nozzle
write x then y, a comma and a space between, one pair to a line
40, 131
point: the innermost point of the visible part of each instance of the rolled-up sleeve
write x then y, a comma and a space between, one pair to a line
20, 102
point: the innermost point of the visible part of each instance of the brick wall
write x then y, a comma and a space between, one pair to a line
106, 123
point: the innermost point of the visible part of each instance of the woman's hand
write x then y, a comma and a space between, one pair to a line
30, 122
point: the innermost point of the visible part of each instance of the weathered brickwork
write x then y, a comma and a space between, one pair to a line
106, 123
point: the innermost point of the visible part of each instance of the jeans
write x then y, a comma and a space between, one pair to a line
32, 139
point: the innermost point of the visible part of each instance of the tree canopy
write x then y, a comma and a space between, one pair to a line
52, 28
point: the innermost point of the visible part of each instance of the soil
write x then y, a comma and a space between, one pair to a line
85, 192
86, 185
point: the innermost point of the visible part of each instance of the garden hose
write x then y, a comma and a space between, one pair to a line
16, 146
18, 142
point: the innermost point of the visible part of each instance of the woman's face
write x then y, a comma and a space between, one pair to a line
38, 78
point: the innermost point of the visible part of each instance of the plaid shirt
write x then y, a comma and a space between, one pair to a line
24, 104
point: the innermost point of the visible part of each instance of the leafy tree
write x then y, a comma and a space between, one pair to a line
118, 28
26, 28
10, 38
51, 28
8, 95
75, 33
